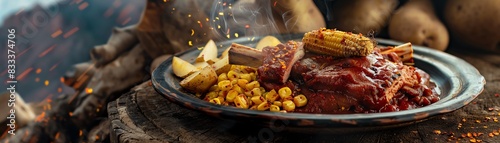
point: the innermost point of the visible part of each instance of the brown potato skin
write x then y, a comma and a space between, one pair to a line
362, 16
476, 23
416, 22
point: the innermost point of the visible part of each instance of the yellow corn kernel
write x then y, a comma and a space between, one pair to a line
214, 88
222, 94
215, 101
277, 103
256, 92
337, 43
300, 100
251, 85
248, 93
222, 76
225, 85
221, 99
233, 67
246, 77
258, 99
285, 92
288, 105
242, 82
262, 90
238, 88
231, 95
233, 75
271, 96
254, 107
263, 106
211, 95
253, 76
240, 101
274, 108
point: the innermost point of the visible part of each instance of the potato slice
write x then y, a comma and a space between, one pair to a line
225, 53
200, 65
222, 66
267, 41
182, 68
200, 81
209, 52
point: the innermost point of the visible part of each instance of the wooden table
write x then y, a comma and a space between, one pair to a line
143, 115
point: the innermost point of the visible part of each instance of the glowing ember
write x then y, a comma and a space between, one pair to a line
38, 70
71, 32
40, 117
81, 133
199, 22
190, 43
83, 6
47, 51
61, 79
192, 32
189, 15
206, 19
24, 74
228, 36
59, 90
218, 26
57, 33
88, 90
70, 114
221, 13
236, 35
46, 83
247, 26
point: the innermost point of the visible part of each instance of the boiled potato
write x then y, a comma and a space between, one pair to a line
208, 53
475, 23
416, 22
267, 41
222, 66
182, 68
200, 81
362, 16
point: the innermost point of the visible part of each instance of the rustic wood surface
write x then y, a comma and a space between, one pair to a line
143, 115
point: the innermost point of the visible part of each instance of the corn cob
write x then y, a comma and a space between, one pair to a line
337, 43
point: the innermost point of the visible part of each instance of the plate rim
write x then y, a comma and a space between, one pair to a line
357, 119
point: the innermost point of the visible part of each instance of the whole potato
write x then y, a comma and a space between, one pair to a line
476, 23
362, 16
416, 22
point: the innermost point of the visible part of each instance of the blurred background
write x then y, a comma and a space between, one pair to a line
53, 35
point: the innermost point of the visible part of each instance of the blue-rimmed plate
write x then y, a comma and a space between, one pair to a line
458, 81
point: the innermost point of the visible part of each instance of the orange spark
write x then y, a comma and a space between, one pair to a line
59, 90
83, 5
71, 32
38, 70
24, 51
108, 12
61, 79
70, 114
201, 25
37, 79
40, 117
5, 133
57, 135
46, 83
20, 10
224, 4
247, 26
24, 74
192, 32
81, 133
275, 2
53, 67
47, 51
96, 137
57, 33
89, 90
126, 21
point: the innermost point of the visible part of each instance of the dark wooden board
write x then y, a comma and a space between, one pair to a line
144, 115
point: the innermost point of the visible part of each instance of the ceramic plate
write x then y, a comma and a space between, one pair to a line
458, 81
